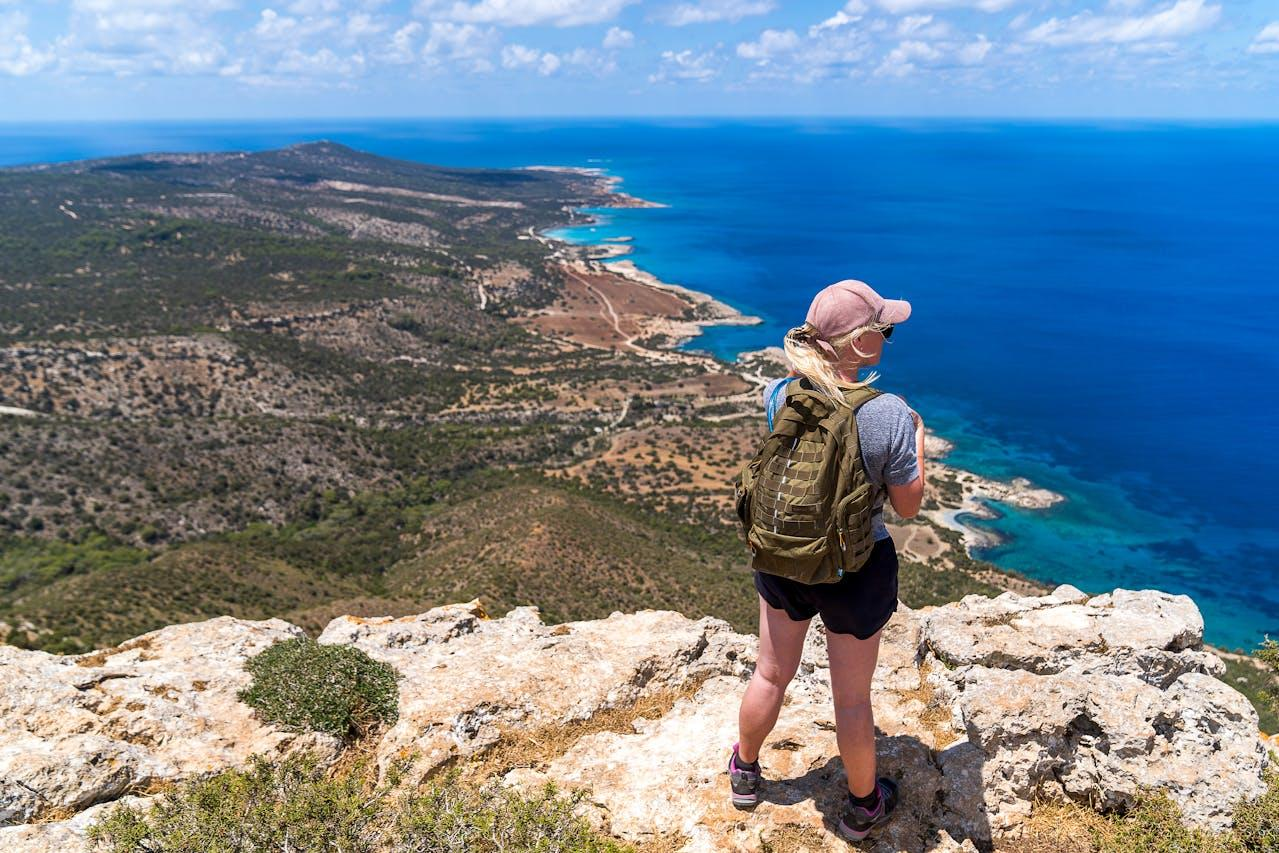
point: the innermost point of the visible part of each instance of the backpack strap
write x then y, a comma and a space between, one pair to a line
859, 397
772, 398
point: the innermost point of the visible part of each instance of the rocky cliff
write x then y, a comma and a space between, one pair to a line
985, 708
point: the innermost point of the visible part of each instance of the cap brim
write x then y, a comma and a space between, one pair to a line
895, 311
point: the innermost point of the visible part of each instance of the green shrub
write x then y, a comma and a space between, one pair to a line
920, 585
1257, 823
338, 690
1258, 684
1154, 826
296, 806
454, 818
290, 806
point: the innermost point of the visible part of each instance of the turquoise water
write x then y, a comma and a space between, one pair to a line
1094, 303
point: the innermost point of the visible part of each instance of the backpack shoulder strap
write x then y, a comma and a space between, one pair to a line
859, 397
772, 398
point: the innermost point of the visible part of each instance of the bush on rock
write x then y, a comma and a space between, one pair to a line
296, 805
338, 690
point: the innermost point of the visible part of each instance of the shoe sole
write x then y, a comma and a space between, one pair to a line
847, 833
745, 802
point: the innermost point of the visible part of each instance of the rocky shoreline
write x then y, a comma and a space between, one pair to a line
977, 492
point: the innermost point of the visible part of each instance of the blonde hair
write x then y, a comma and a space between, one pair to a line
810, 360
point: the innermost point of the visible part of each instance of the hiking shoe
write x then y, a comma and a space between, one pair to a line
858, 821
745, 783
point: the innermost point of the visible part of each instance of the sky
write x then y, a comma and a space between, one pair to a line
193, 59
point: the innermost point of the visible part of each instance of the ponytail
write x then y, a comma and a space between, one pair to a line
814, 358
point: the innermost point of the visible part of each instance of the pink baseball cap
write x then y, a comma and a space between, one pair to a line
850, 304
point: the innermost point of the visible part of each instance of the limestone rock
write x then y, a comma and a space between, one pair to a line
469, 682
1144, 631
982, 706
63, 836
83, 730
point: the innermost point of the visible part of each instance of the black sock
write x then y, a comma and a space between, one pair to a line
743, 764
867, 802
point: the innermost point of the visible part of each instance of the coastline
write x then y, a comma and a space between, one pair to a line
977, 493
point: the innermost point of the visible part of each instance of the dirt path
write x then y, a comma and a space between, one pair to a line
611, 316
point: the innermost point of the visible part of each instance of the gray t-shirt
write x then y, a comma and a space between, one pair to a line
887, 435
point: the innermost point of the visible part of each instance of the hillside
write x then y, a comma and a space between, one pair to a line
313, 381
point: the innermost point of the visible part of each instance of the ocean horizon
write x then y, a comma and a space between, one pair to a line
1093, 301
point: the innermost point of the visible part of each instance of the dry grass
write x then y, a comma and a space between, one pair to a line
100, 657
1057, 828
669, 843
936, 717
795, 838
541, 746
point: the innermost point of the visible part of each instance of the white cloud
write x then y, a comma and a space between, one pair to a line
616, 38
922, 26
137, 37
901, 60
549, 65
826, 52
116, 17
525, 13
463, 45
685, 65
1266, 41
17, 57
314, 7
320, 63
974, 53
851, 13
709, 11
518, 56
401, 50
515, 56
903, 7
1181, 19
769, 44
362, 25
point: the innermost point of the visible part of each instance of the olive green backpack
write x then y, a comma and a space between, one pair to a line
804, 501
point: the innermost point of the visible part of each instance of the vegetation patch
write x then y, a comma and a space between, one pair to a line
337, 690
921, 585
297, 805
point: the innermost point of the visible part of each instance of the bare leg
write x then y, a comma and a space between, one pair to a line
781, 642
852, 663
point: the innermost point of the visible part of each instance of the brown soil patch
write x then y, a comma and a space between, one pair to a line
602, 309
918, 540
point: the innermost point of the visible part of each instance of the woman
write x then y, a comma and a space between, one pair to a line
845, 330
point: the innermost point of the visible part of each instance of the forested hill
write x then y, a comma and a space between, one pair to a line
259, 383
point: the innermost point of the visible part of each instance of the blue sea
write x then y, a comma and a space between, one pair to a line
1094, 303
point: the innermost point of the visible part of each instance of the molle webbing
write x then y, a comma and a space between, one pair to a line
805, 500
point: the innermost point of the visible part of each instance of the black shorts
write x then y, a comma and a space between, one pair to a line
860, 603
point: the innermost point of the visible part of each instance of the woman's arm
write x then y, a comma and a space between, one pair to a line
907, 499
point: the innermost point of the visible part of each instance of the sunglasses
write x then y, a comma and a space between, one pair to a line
887, 332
